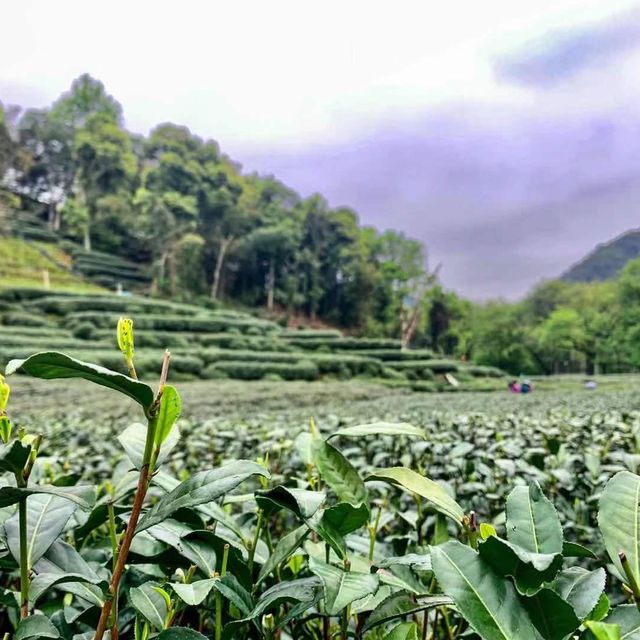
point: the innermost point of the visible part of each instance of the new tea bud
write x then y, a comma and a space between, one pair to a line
5, 429
125, 337
5, 390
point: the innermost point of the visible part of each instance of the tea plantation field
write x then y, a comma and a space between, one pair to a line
215, 343
317, 510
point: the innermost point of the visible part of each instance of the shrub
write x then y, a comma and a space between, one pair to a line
303, 370
20, 318
84, 331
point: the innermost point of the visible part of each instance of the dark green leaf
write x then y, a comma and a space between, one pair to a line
180, 633
51, 365
285, 547
403, 604
201, 488
554, 618
36, 626
338, 473
83, 496
302, 502
529, 570
341, 588
14, 456
47, 516
488, 602
149, 603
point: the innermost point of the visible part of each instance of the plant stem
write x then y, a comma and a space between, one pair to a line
132, 370
22, 480
425, 624
113, 619
633, 583
24, 560
256, 537
373, 530
144, 480
223, 572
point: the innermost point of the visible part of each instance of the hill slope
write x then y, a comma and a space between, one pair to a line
606, 260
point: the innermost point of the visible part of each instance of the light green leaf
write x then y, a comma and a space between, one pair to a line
428, 489
380, 429
133, 440
627, 618
488, 602
51, 365
168, 413
201, 488
341, 588
193, 593
604, 631
339, 473
619, 520
404, 631
532, 521
149, 603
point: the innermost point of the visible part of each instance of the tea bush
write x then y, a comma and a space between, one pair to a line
245, 528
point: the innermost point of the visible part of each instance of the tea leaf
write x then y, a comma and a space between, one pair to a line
380, 429
51, 365
341, 588
619, 520
201, 488
339, 473
532, 521
488, 602
415, 483
36, 626
149, 603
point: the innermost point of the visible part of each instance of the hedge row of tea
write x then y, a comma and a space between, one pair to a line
214, 343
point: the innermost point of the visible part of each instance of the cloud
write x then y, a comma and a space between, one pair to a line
561, 54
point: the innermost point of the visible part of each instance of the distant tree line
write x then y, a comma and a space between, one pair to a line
177, 203
206, 230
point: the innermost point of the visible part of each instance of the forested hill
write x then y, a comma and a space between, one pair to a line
607, 260
200, 227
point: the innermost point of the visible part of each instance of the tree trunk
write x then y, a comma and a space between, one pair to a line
225, 244
54, 216
271, 284
409, 324
87, 238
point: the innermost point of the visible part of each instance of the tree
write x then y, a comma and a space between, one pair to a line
106, 163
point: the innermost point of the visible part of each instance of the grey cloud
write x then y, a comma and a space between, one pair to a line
501, 206
562, 54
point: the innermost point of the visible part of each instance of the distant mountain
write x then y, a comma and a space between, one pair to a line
606, 260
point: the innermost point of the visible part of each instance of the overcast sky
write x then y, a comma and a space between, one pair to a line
504, 134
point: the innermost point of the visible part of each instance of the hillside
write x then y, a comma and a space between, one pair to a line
215, 343
606, 260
